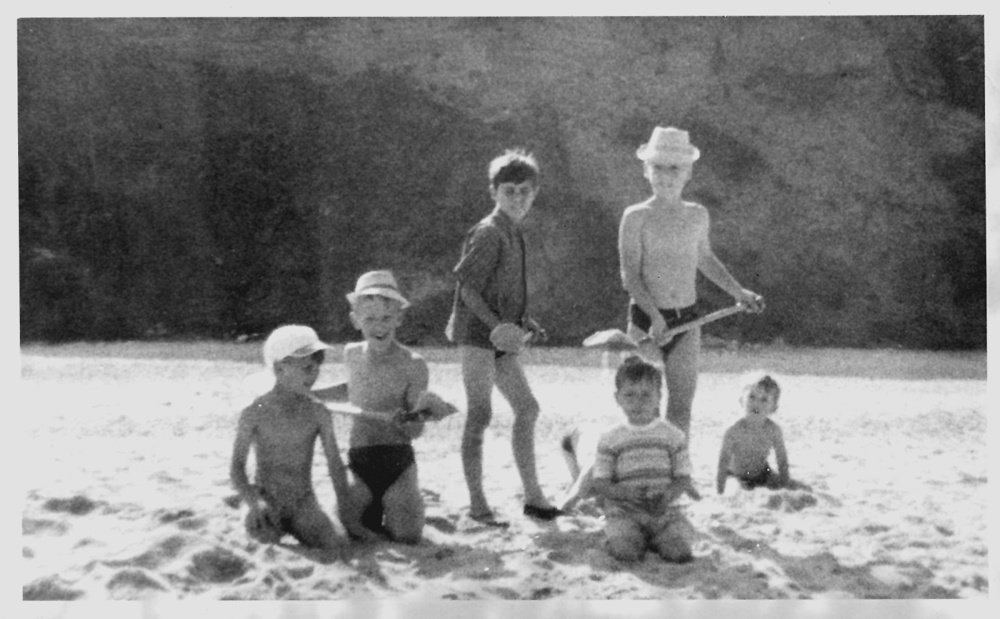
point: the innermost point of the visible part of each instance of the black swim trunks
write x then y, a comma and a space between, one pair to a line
749, 482
379, 466
673, 317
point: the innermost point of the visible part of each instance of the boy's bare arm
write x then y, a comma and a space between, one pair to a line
716, 272
781, 455
418, 376
238, 462
338, 475
630, 257
335, 466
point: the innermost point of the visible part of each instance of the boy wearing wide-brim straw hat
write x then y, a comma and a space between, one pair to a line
387, 381
663, 243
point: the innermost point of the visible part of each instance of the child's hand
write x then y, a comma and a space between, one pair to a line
430, 407
753, 301
538, 334
508, 337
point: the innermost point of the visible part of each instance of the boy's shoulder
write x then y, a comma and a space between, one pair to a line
401, 354
494, 224
637, 209
261, 405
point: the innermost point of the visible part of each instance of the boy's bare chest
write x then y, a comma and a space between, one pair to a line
378, 386
287, 427
752, 437
682, 227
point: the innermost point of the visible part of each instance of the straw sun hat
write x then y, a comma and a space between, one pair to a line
668, 144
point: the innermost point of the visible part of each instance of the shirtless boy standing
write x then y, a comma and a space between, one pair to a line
282, 426
663, 243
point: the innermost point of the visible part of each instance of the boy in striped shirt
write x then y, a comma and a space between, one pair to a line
642, 467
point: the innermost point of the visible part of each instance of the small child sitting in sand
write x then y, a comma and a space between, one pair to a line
748, 442
282, 426
385, 379
641, 468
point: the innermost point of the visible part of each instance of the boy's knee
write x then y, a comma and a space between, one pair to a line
261, 530
675, 551
478, 418
411, 534
527, 411
626, 549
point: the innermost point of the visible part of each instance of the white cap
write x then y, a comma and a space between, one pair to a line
291, 341
379, 284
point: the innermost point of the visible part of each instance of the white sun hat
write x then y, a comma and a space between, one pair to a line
379, 284
291, 341
668, 144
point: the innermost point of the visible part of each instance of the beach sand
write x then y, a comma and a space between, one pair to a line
125, 466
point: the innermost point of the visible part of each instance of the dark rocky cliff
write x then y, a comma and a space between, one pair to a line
218, 177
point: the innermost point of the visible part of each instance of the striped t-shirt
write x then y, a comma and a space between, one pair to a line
640, 455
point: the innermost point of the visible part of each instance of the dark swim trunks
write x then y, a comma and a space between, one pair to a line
379, 466
749, 482
673, 317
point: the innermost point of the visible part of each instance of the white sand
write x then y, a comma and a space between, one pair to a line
126, 462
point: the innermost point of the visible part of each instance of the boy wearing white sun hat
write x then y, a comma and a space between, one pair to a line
282, 426
663, 243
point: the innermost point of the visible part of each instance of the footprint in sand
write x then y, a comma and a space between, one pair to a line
78, 505
441, 524
32, 526
792, 501
50, 588
133, 583
218, 565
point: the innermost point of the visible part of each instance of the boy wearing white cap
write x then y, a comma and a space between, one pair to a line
383, 375
663, 243
282, 426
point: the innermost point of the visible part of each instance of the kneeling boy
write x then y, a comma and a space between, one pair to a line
383, 375
642, 467
282, 426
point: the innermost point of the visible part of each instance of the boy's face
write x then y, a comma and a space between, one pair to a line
515, 199
758, 401
667, 177
298, 374
377, 318
639, 400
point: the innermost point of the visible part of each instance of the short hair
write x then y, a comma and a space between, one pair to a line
763, 380
634, 369
514, 166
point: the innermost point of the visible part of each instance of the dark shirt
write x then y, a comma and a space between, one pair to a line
492, 264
